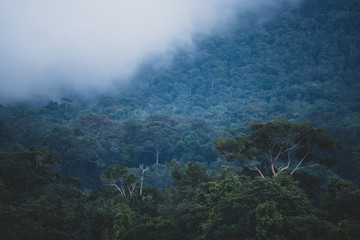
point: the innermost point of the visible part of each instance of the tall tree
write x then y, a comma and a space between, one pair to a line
120, 178
157, 136
281, 145
78, 156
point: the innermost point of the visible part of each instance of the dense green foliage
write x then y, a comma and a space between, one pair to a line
302, 65
281, 145
86, 146
224, 204
83, 180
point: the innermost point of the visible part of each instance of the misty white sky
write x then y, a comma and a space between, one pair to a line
49, 46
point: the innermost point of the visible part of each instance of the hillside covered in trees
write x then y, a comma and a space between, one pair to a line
254, 134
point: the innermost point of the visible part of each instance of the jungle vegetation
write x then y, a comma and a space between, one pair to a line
253, 135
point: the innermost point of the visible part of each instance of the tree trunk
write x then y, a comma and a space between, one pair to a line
157, 157
273, 169
143, 170
141, 184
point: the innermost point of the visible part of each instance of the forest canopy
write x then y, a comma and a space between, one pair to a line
254, 134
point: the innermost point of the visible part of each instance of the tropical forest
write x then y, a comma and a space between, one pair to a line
252, 133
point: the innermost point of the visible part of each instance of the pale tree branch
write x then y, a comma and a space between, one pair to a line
143, 170
313, 165
290, 157
301, 161
120, 189
132, 187
273, 169
255, 169
148, 198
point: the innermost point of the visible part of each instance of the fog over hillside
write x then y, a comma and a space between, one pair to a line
52, 47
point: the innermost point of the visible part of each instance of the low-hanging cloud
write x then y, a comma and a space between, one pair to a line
50, 47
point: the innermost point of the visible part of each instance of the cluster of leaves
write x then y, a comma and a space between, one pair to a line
87, 143
35, 203
230, 205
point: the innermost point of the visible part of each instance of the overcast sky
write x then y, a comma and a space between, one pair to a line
50, 46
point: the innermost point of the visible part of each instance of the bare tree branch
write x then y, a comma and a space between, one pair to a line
301, 161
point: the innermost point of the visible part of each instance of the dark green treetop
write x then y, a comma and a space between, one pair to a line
281, 145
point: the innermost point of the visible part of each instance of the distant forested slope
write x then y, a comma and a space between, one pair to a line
302, 65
